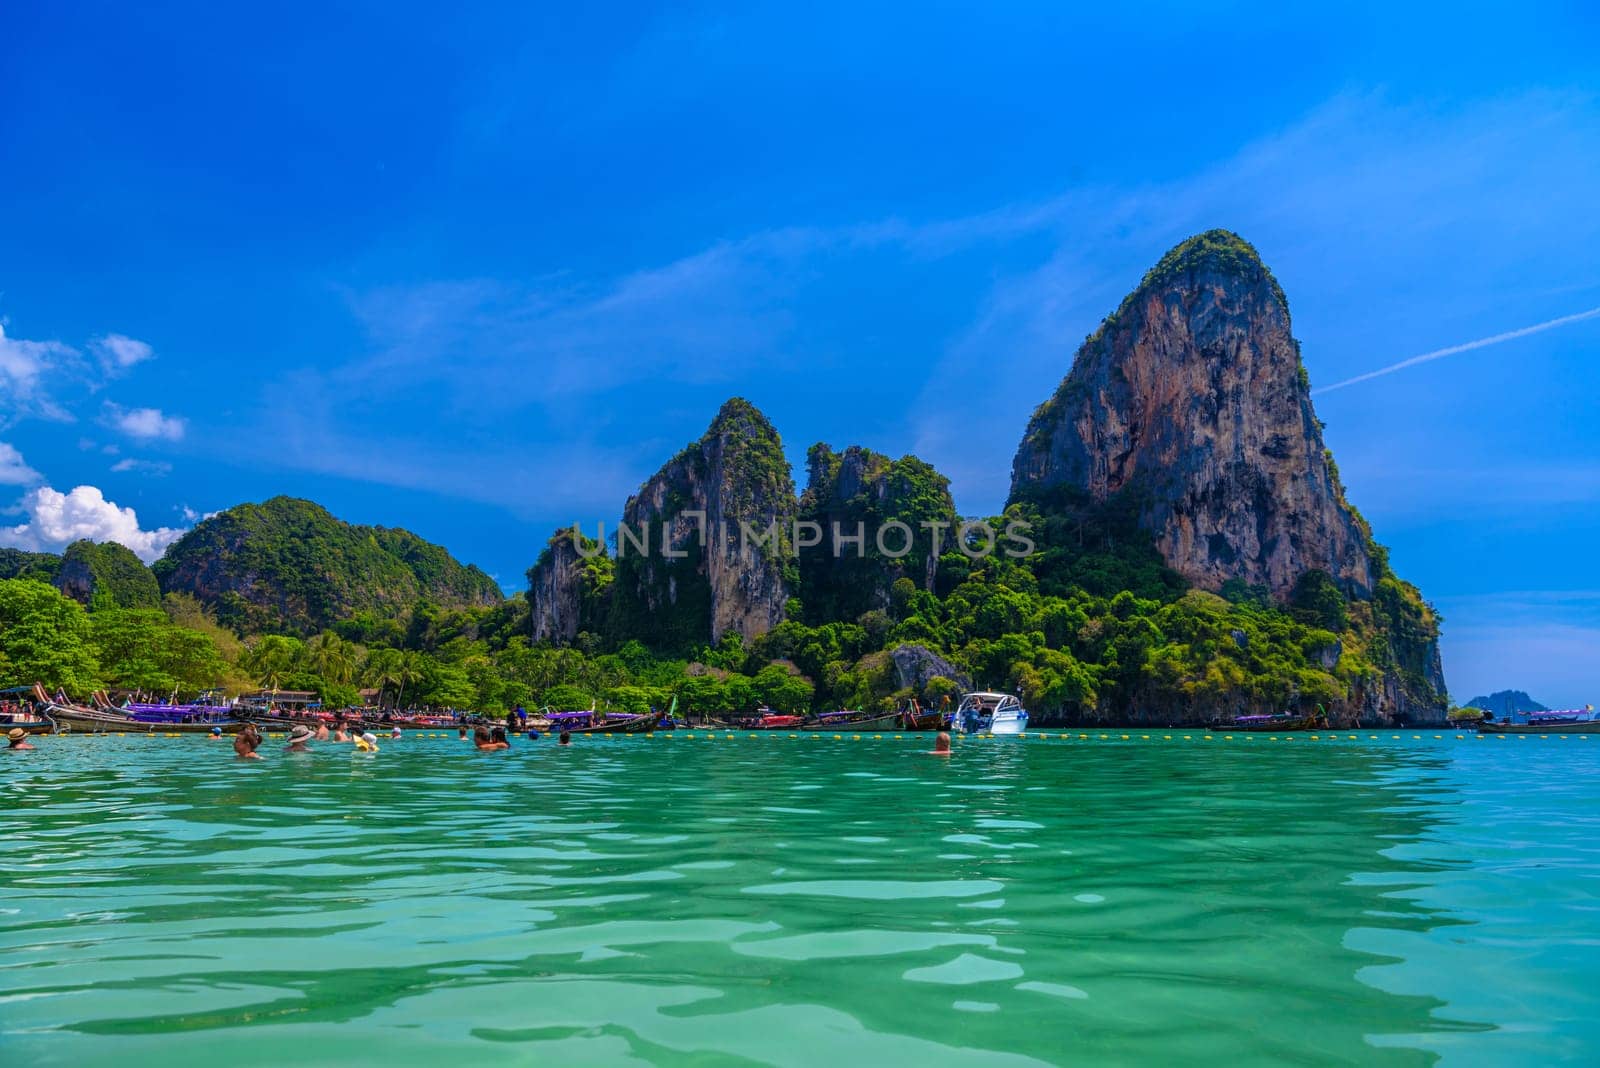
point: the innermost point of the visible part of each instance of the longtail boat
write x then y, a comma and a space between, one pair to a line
592, 722
852, 720
132, 719
20, 710
916, 718
1277, 723
767, 720
1563, 721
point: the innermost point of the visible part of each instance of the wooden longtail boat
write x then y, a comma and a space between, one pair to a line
1277, 723
916, 718
80, 718
846, 720
28, 722
603, 722
23, 712
1566, 721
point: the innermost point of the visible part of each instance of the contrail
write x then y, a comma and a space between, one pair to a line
1439, 354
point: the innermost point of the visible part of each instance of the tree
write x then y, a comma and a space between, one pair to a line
271, 659
45, 638
331, 657
141, 649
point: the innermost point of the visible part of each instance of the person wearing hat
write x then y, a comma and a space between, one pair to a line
17, 738
366, 742
215, 735
299, 739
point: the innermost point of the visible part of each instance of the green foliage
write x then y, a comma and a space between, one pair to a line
1317, 601
142, 649
863, 490
1213, 252
107, 575
287, 565
17, 563
44, 637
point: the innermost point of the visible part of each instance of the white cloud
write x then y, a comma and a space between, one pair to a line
146, 424
57, 519
24, 365
146, 467
13, 470
118, 352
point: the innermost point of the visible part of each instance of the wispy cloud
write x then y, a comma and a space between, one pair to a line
14, 471
1466, 346
143, 467
1356, 174
145, 424
57, 519
118, 352
25, 366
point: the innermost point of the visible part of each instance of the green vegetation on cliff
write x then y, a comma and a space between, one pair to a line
289, 565
860, 491
106, 575
19, 563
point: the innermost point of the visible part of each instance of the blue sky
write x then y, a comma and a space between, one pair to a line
478, 272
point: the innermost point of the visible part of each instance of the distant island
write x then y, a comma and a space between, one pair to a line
1194, 557
1505, 704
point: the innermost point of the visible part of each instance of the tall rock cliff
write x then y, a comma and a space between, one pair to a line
1191, 397
700, 579
1190, 406
568, 588
861, 491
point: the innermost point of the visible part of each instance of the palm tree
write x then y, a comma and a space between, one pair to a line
383, 669
330, 656
408, 671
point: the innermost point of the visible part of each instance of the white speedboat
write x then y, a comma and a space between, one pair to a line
990, 713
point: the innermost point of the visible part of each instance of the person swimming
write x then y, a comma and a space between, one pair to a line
245, 743
499, 735
215, 735
339, 734
322, 732
366, 743
300, 739
484, 740
394, 735
17, 738
566, 737
463, 735
941, 744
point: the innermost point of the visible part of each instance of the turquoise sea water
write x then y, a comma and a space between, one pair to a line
771, 900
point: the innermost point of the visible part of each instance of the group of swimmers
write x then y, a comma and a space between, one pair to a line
248, 740
486, 739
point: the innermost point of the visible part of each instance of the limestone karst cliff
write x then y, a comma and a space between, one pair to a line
1190, 407
1191, 396
861, 491
702, 575
568, 588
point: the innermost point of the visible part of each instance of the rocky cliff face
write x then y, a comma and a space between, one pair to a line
567, 588
696, 579
859, 490
1190, 406
1192, 397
